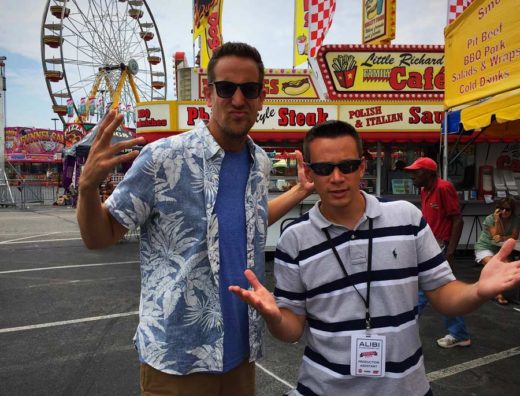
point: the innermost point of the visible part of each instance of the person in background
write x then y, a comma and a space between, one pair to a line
440, 207
347, 275
398, 179
498, 227
200, 199
107, 190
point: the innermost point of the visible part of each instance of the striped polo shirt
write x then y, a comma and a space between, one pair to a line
310, 282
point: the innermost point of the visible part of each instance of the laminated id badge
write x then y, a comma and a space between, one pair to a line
367, 355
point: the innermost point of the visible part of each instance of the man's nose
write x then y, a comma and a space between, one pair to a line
336, 175
238, 97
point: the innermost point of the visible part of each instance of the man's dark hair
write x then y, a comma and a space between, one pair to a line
330, 129
242, 50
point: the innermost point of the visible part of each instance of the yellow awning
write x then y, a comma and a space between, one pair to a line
505, 107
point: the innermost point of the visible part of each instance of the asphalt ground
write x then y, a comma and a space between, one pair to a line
68, 315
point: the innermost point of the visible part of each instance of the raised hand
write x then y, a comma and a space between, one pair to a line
499, 274
259, 298
102, 157
302, 179
496, 214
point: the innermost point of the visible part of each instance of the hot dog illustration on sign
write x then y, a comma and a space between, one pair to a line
296, 87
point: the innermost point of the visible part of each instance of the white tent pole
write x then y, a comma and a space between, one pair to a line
445, 148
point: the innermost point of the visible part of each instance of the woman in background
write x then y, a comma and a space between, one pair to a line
499, 226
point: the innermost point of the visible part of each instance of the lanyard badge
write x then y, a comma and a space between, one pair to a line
367, 352
367, 355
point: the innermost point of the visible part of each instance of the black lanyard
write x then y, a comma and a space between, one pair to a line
369, 270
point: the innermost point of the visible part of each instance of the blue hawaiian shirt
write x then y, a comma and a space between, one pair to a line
170, 193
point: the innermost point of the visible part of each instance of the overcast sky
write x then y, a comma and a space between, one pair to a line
266, 24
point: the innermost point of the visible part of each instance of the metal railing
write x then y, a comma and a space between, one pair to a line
32, 191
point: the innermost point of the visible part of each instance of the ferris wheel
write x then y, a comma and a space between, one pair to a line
101, 54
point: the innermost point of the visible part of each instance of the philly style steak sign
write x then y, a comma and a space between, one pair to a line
271, 117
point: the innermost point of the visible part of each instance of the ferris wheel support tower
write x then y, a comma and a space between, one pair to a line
6, 197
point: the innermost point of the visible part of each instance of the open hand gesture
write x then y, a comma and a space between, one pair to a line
259, 298
102, 157
498, 274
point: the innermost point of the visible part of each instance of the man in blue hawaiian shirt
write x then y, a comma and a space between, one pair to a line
200, 200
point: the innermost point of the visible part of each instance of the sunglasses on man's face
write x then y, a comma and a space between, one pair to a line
506, 209
326, 168
226, 89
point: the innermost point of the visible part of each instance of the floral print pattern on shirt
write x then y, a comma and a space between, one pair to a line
170, 193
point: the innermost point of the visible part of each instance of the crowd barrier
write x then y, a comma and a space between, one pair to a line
25, 192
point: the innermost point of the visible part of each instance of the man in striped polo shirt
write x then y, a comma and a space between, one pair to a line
347, 275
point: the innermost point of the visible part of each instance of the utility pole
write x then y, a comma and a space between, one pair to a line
6, 196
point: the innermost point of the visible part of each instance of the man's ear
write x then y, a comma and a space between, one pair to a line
363, 166
208, 93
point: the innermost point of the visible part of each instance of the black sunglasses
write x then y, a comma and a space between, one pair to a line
506, 209
226, 89
326, 168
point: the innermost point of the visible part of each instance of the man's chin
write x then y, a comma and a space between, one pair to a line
239, 131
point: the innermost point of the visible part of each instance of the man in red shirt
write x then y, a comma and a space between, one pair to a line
441, 210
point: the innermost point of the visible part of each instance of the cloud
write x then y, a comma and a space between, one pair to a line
20, 28
266, 24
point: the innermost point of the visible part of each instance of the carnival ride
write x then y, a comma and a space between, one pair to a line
100, 54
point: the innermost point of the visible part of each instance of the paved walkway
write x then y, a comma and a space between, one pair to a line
68, 314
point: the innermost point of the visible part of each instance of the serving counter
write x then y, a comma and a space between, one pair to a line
473, 213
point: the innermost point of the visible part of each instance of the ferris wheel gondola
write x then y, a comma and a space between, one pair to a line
97, 53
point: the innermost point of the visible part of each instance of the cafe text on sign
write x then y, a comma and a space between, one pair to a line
393, 72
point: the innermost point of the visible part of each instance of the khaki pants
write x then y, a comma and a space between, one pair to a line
238, 382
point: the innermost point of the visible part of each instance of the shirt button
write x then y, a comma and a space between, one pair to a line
352, 236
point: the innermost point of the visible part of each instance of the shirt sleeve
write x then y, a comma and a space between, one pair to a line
289, 290
131, 202
489, 221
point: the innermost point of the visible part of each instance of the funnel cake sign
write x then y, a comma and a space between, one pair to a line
32, 145
383, 72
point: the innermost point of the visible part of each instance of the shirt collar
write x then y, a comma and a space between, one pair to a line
211, 147
372, 210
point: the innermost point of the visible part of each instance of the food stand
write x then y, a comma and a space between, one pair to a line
34, 154
483, 89
392, 95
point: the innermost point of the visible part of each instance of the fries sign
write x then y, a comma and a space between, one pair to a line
345, 70
386, 73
